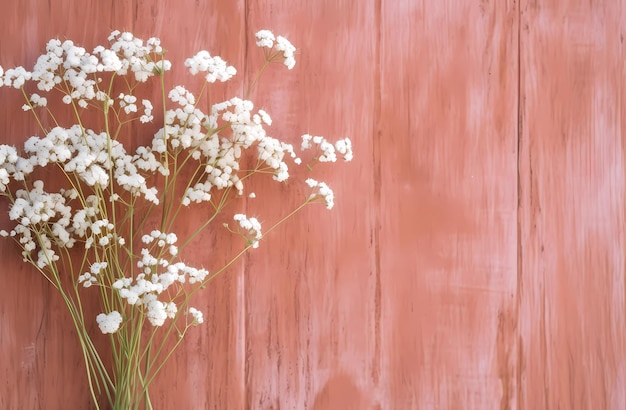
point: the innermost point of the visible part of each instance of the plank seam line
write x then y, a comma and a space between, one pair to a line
518, 288
377, 131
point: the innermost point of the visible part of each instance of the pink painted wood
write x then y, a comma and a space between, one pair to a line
475, 257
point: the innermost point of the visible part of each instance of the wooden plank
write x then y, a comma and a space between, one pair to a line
406, 296
447, 156
207, 372
44, 366
311, 306
572, 313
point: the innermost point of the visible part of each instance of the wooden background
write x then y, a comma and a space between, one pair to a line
475, 258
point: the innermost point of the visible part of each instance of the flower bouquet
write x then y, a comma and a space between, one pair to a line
103, 224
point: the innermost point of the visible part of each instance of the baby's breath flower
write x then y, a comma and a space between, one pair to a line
35, 101
16, 77
323, 191
147, 111
344, 147
156, 312
252, 228
128, 102
171, 309
109, 323
282, 44
197, 316
215, 67
265, 38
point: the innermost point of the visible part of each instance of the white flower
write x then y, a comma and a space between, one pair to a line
344, 147
197, 315
215, 67
16, 77
109, 323
128, 103
87, 279
171, 309
36, 101
265, 38
252, 228
328, 151
147, 111
97, 267
156, 312
323, 192
282, 44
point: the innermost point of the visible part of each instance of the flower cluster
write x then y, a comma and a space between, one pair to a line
280, 44
215, 140
109, 322
323, 191
251, 229
328, 151
215, 67
157, 275
91, 277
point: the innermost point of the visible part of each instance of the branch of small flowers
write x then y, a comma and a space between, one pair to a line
168, 190
30, 260
30, 105
173, 324
242, 252
190, 181
183, 305
188, 158
151, 360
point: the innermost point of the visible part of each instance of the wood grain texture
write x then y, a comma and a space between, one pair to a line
311, 306
572, 351
475, 256
447, 142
